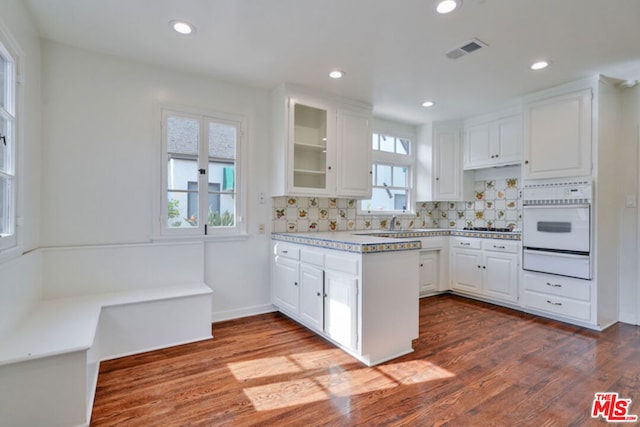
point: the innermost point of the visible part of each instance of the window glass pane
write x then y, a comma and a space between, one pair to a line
222, 174
182, 209
399, 176
222, 200
222, 141
387, 144
223, 213
180, 172
5, 146
383, 175
385, 199
5, 203
4, 81
402, 146
374, 141
182, 135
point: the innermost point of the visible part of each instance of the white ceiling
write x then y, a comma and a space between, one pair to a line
391, 50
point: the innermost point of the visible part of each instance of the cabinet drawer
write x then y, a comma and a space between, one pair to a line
558, 286
558, 305
312, 257
344, 264
462, 242
287, 251
501, 246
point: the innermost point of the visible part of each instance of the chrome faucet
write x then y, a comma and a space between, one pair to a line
392, 227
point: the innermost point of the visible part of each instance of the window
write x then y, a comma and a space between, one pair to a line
391, 172
200, 192
8, 148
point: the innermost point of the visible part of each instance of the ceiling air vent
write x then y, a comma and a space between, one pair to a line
465, 49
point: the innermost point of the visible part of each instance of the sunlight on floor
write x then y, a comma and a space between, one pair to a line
337, 383
268, 367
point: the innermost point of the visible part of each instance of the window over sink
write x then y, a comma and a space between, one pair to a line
392, 176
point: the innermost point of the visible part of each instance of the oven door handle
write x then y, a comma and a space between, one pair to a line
557, 253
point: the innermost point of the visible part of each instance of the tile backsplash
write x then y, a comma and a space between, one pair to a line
497, 203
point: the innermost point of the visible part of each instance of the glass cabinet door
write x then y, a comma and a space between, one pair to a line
309, 146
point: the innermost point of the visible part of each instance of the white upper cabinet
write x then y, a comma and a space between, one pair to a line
439, 164
492, 142
557, 135
353, 161
321, 146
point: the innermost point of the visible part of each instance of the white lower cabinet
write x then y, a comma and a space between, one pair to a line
341, 308
429, 262
466, 275
312, 296
485, 267
319, 291
367, 304
501, 267
285, 279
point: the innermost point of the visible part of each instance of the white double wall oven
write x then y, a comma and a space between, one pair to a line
556, 235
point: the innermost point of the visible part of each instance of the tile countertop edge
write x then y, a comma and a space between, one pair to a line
353, 241
374, 245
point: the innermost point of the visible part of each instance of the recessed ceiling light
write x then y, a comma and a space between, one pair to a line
336, 74
446, 6
428, 104
540, 65
182, 27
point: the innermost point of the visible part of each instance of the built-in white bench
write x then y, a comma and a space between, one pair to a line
49, 360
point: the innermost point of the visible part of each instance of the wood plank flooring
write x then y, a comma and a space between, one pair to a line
474, 364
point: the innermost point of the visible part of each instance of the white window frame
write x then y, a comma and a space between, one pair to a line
400, 160
163, 231
13, 114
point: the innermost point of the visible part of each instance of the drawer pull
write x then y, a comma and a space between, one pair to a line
318, 294
554, 303
295, 283
554, 285
499, 247
465, 243
285, 252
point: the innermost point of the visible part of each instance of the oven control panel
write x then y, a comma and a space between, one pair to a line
574, 192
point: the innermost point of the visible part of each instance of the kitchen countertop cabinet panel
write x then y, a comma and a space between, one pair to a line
365, 303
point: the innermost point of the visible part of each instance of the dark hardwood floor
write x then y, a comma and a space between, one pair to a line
474, 364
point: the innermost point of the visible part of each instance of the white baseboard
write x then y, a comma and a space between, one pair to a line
219, 316
629, 318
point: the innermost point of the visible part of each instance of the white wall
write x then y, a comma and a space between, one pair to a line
101, 147
628, 236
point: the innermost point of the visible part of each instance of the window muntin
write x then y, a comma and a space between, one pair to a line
202, 164
8, 148
391, 175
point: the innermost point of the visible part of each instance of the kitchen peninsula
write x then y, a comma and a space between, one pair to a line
358, 291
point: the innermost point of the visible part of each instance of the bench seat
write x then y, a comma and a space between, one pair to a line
50, 360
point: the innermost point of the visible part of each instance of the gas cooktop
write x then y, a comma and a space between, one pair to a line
494, 229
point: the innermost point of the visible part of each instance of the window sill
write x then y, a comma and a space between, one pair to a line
207, 239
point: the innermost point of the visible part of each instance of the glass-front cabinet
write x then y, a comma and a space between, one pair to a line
310, 166
321, 145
